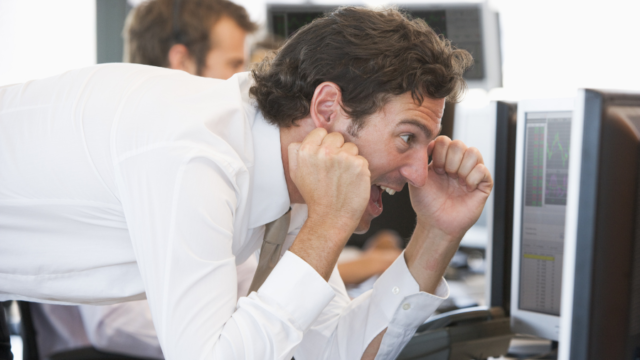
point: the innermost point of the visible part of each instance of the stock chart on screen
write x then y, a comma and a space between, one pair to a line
546, 169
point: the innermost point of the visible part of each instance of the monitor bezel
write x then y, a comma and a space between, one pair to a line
524, 321
584, 331
571, 222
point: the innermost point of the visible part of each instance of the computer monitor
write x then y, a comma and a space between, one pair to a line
470, 25
491, 128
500, 229
540, 202
601, 284
484, 127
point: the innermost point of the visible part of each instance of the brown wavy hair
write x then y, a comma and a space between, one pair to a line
156, 25
369, 54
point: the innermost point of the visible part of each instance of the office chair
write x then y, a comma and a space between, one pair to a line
5, 340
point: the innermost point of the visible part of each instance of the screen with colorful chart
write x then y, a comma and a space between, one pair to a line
546, 168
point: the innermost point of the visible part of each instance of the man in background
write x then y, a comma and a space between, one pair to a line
205, 38
201, 37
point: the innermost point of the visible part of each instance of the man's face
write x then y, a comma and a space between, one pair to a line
394, 141
226, 56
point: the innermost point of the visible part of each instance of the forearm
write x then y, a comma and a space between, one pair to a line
377, 323
428, 254
319, 244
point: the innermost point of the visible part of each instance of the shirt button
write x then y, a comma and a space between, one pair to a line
395, 290
406, 306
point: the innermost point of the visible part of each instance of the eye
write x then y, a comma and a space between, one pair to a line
407, 137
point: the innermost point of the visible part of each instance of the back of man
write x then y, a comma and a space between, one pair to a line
205, 38
106, 123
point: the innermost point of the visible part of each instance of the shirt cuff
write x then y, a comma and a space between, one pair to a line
298, 289
400, 297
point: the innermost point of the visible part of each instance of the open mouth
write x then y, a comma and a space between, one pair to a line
375, 199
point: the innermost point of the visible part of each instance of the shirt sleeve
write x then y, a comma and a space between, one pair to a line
180, 206
346, 327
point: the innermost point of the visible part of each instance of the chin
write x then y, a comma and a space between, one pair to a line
361, 229
364, 224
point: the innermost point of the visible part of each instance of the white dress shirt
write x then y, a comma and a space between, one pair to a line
121, 179
124, 328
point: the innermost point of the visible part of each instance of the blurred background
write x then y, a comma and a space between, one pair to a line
548, 47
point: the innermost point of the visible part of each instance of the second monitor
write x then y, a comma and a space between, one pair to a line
540, 199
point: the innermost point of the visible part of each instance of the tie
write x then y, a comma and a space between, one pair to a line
274, 236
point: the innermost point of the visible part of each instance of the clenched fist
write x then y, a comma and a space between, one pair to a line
332, 178
457, 188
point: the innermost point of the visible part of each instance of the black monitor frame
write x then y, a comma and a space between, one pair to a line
477, 74
603, 314
499, 290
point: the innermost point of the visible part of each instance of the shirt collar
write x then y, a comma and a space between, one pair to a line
270, 195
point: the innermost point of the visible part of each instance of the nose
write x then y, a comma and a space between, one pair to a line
415, 171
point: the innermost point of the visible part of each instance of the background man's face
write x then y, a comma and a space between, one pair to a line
227, 55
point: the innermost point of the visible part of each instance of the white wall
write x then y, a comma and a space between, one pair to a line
551, 47
555, 46
40, 38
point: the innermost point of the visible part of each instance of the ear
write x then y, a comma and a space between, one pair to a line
180, 59
326, 105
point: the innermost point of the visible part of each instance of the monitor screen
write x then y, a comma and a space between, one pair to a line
460, 24
546, 166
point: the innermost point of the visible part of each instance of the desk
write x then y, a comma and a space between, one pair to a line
527, 345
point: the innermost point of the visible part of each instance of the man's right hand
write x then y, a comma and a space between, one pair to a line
333, 179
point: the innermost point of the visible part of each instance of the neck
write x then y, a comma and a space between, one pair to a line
290, 135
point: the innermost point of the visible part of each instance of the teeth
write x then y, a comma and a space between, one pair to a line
389, 191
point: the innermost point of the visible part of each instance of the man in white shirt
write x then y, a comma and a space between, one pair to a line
204, 38
121, 180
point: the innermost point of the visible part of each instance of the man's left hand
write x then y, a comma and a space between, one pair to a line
447, 205
458, 185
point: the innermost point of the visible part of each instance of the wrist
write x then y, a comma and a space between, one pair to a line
428, 254
339, 226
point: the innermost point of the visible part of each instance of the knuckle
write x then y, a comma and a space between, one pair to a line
326, 151
305, 148
458, 145
442, 140
336, 135
482, 168
470, 154
364, 163
475, 152
344, 156
351, 147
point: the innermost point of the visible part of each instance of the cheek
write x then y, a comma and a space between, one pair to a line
384, 165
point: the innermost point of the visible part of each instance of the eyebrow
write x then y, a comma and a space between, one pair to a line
427, 132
